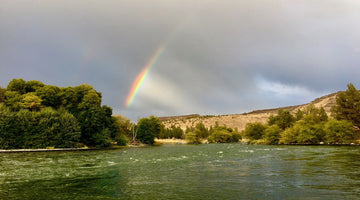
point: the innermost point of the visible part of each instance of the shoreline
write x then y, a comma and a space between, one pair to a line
157, 142
45, 150
170, 141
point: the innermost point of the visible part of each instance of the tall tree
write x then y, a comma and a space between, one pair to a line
284, 119
348, 106
148, 129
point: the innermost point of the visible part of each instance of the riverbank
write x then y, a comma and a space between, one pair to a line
170, 141
45, 150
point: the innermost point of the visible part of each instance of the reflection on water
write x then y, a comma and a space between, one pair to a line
214, 171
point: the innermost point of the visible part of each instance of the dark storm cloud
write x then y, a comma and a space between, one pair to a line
220, 56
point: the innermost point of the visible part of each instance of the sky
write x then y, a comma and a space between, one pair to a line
207, 57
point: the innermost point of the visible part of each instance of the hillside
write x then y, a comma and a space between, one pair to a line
239, 121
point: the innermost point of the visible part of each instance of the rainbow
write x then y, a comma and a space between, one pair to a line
143, 74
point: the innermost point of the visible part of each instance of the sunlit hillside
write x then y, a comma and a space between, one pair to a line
239, 121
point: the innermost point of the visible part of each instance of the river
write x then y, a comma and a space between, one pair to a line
208, 171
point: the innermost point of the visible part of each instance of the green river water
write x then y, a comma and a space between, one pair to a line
209, 171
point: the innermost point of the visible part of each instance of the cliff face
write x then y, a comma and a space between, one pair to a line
239, 121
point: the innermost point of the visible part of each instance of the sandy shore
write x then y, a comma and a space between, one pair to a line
170, 141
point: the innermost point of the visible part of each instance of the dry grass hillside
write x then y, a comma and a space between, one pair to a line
239, 121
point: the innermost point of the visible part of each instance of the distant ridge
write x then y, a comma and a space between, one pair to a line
239, 121
179, 117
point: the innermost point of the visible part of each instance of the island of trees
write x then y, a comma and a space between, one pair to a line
35, 115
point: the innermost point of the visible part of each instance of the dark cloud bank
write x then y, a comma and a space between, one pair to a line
221, 57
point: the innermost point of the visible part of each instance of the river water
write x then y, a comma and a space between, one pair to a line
209, 171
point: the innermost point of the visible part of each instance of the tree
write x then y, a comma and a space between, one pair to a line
299, 115
272, 134
2, 94
202, 130
148, 129
339, 132
90, 99
192, 138
348, 106
49, 95
284, 119
306, 131
17, 85
13, 100
8, 128
31, 101
254, 131
223, 134
32, 86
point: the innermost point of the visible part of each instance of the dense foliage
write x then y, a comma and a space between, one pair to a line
348, 106
148, 129
35, 115
223, 134
312, 125
172, 132
46, 128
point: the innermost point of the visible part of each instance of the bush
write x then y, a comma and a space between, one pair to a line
254, 131
192, 138
339, 132
306, 131
121, 140
272, 134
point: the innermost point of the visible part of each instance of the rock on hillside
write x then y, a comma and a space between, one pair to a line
239, 121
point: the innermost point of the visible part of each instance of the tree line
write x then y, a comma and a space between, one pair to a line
312, 125
308, 126
35, 115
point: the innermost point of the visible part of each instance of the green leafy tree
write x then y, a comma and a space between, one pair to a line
2, 94
13, 100
90, 99
306, 131
299, 115
50, 96
177, 132
32, 86
148, 129
272, 134
340, 132
192, 138
9, 128
284, 119
289, 136
17, 85
223, 134
254, 131
69, 99
31, 101
348, 105
203, 132
121, 140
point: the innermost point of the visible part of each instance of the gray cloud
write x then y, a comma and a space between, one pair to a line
220, 57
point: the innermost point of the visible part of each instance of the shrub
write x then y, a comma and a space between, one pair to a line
121, 140
192, 138
272, 134
254, 131
339, 132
